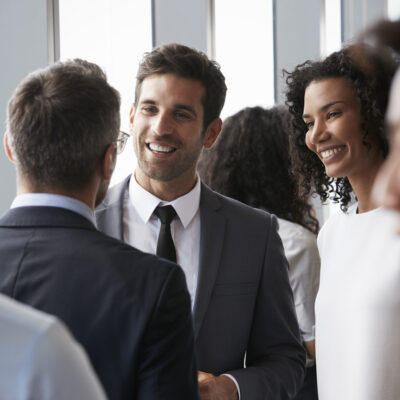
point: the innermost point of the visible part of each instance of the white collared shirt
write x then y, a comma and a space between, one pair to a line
54, 200
142, 227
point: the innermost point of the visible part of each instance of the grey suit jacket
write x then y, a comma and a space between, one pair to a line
243, 312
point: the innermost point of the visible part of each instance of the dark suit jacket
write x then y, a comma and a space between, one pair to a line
243, 312
129, 310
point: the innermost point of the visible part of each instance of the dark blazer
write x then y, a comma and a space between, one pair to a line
243, 312
129, 310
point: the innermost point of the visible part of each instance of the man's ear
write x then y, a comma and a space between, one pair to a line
212, 132
131, 117
109, 161
7, 148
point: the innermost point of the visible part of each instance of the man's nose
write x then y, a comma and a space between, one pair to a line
163, 124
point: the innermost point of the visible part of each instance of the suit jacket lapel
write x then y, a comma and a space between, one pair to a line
109, 214
211, 241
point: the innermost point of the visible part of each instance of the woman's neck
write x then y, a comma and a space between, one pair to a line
362, 186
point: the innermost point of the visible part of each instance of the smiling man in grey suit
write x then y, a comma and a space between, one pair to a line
128, 309
231, 254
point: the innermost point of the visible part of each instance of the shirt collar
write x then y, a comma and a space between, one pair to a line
54, 200
145, 203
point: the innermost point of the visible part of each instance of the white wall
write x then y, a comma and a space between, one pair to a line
360, 14
297, 36
23, 47
181, 21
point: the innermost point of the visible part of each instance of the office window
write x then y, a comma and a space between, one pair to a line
113, 34
243, 37
393, 9
332, 27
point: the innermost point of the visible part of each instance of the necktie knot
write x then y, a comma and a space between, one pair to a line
166, 214
165, 244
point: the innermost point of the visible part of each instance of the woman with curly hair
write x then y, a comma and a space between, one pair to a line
250, 162
338, 108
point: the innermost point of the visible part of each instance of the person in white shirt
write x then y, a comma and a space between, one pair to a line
250, 162
338, 106
40, 359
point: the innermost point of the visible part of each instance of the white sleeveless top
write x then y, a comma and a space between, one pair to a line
358, 307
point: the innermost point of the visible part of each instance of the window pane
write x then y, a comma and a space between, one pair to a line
113, 34
393, 8
333, 26
244, 49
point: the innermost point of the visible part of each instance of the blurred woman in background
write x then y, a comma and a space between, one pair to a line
250, 162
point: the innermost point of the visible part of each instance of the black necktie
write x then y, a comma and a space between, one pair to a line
165, 244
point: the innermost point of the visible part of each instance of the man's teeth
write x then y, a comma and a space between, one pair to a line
331, 152
160, 149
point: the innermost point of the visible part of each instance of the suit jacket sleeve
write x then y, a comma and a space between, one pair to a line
167, 366
275, 357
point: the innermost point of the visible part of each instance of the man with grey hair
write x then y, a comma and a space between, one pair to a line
129, 310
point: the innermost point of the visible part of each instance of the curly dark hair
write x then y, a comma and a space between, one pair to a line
250, 162
370, 72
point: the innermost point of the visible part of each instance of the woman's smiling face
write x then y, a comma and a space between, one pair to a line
333, 118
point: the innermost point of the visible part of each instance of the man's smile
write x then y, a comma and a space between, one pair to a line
160, 149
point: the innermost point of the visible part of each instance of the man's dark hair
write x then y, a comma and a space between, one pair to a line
185, 62
250, 162
60, 121
370, 73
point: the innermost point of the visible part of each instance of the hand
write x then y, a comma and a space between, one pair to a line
216, 387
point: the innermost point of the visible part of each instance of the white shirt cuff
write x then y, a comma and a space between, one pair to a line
235, 382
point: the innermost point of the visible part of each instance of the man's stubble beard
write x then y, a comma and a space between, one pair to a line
167, 170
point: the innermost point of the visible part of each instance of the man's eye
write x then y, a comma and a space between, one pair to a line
149, 109
182, 115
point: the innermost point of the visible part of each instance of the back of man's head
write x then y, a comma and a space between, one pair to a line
185, 62
60, 121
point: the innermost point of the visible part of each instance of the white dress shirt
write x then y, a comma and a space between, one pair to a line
142, 227
54, 200
39, 358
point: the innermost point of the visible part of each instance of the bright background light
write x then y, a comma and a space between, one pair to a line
393, 9
244, 49
113, 34
333, 26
